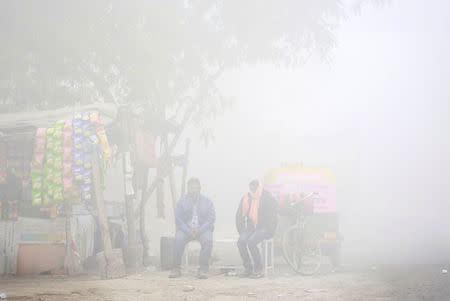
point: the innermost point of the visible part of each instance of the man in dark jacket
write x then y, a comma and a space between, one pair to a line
256, 220
195, 216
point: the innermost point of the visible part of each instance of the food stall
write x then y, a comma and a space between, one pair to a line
47, 209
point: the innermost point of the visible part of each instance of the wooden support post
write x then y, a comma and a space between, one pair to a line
185, 167
110, 261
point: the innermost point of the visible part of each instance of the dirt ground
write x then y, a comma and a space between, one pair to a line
383, 283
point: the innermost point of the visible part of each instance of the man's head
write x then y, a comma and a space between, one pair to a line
193, 188
253, 186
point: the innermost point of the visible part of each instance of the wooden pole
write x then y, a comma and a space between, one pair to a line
171, 177
101, 212
185, 167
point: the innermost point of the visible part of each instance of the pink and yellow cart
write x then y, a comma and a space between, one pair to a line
308, 215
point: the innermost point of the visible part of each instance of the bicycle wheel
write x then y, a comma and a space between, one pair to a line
304, 256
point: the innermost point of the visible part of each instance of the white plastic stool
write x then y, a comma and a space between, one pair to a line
267, 250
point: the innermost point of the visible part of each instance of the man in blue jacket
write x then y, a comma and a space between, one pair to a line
195, 216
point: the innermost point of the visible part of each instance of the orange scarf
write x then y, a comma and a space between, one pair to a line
256, 196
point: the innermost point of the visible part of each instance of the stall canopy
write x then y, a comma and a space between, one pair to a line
16, 125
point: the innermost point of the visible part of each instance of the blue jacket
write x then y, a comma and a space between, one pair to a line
205, 210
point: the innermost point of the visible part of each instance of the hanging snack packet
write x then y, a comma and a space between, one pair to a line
36, 197
46, 199
76, 126
67, 169
67, 126
86, 192
87, 160
50, 189
87, 176
86, 127
37, 182
58, 164
94, 139
78, 157
67, 153
67, 139
57, 177
77, 115
38, 161
58, 148
95, 118
58, 194
41, 132
78, 173
39, 145
50, 132
101, 133
86, 116
78, 141
57, 133
68, 184
50, 159
50, 144
87, 146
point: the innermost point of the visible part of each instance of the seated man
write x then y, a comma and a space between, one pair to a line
195, 216
256, 220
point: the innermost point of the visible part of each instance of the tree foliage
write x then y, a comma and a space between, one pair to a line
163, 55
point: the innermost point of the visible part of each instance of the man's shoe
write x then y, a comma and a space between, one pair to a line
258, 274
202, 275
175, 274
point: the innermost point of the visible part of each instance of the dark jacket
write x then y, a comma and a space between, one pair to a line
267, 214
205, 210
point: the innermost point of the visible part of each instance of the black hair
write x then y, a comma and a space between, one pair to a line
254, 182
193, 181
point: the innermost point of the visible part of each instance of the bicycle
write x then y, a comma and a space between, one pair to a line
301, 247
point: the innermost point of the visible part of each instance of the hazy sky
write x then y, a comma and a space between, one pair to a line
376, 112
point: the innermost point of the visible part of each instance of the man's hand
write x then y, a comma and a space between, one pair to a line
193, 233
